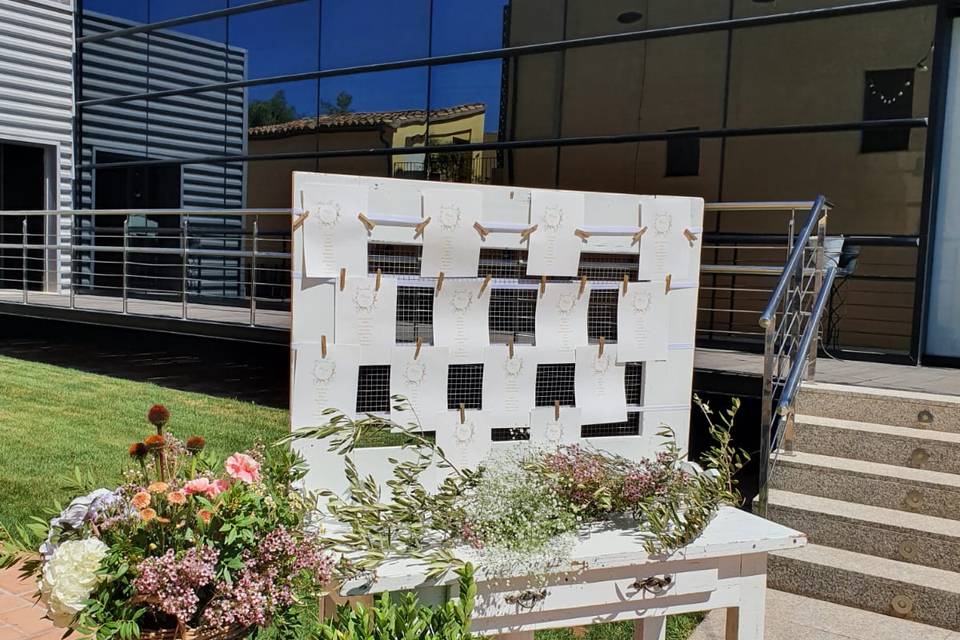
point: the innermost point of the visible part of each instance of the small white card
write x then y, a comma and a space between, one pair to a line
642, 322
546, 429
509, 384
367, 316
450, 242
561, 318
663, 248
321, 383
333, 236
461, 319
465, 444
554, 248
599, 385
421, 380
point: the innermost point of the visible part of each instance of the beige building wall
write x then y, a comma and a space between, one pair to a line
807, 72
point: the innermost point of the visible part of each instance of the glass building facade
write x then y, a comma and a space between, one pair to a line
213, 103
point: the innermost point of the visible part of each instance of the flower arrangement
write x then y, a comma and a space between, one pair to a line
183, 547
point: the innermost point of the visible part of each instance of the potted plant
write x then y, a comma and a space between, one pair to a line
182, 547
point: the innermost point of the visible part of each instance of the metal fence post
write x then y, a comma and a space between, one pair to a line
123, 258
253, 274
817, 285
183, 266
766, 412
23, 253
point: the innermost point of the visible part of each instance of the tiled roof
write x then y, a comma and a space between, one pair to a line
363, 119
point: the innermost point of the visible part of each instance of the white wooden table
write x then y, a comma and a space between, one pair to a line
612, 578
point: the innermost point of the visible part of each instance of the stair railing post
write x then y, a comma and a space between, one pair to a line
123, 262
817, 285
23, 252
253, 273
766, 411
183, 266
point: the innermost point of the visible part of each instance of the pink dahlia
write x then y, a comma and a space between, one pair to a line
242, 467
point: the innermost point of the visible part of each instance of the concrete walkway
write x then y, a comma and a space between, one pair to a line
20, 619
791, 617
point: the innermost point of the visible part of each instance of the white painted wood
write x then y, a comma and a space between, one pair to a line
745, 622
652, 628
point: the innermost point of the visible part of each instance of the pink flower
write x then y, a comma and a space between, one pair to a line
206, 487
242, 467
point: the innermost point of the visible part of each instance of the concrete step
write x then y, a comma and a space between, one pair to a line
888, 533
881, 485
902, 446
927, 411
918, 593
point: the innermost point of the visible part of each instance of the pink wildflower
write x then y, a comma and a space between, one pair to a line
242, 467
205, 486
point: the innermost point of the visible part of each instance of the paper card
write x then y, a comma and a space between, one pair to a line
561, 318
509, 384
321, 383
333, 236
599, 385
465, 444
547, 430
663, 248
643, 325
367, 316
461, 319
554, 249
422, 380
450, 242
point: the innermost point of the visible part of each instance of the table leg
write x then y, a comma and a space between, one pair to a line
746, 621
653, 628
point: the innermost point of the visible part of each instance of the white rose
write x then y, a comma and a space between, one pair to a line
69, 577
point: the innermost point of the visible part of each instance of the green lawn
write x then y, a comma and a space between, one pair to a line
678, 628
53, 419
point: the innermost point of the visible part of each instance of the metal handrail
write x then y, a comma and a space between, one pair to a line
817, 211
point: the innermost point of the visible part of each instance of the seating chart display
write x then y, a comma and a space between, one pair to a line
507, 317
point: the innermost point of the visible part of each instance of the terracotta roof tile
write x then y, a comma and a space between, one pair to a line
363, 119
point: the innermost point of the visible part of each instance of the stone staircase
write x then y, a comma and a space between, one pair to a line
875, 484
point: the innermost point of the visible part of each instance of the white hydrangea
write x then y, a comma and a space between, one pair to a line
69, 576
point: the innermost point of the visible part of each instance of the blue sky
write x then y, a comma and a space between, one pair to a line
284, 39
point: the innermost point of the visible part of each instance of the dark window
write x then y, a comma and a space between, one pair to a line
22, 188
555, 382
683, 155
373, 389
887, 95
464, 386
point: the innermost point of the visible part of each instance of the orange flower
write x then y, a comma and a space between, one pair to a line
138, 450
147, 514
153, 442
195, 444
176, 497
158, 415
205, 515
158, 487
141, 500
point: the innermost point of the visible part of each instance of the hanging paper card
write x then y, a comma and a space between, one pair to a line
465, 444
461, 319
554, 248
333, 236
451, 244
642, 322
367, 316
321, 383
509, 383
663, 248
422, 380
547, 429
561, 318
599, 385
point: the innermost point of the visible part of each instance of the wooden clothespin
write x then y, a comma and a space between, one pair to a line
416, 354
600, 350
343, 278
482, 230
379, 275
439, 282
510, 346
690, 236
638, 235
463, 414
484, 285
300, 220
525, 234
367, 222
556, 410
583, 286
323, 346
583, 235
543, 285
626, 283
420, 227
666, 282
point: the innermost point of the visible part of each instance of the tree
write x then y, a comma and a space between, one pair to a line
272, 111
339, 107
